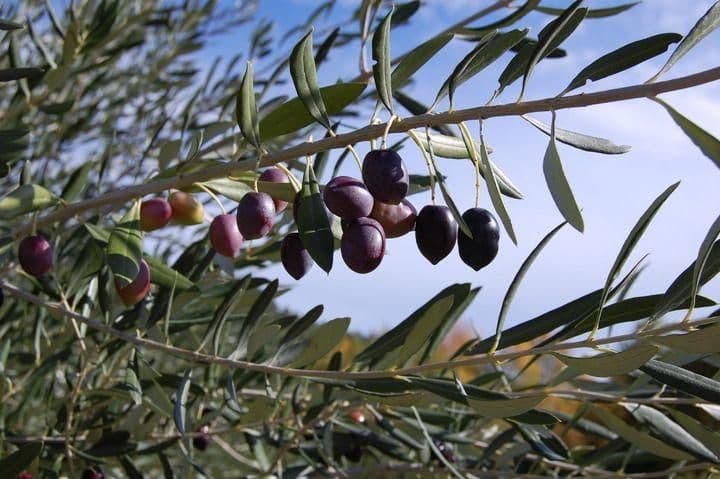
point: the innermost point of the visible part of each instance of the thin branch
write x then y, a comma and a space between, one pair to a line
198, 357
369, 132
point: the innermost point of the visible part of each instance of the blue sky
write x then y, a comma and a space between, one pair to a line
612, 190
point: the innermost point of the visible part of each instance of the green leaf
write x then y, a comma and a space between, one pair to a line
558, 184
510, 294
631, 241
543, 441
579, 140
611, 364
707, 23
321, 341
292, 115
180, 407
425, 325
623, 58
395, 338
552, 36
304, 75
492, 183
302, 324
228, 304
26, 199
462, 298
595, 13
417, 57
446, 194
702, 258
312, 222
77, 182
702, 341
163, 275
501, 408
640, 439
478, 59
230, 189
382, 67
683, 380
20, 460
708, 144
668, 430
679, 290
246, 109
510, 19
710, 439
252, 319
125, 247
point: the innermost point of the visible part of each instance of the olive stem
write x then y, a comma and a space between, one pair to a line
215, 198
431, 171
368, 132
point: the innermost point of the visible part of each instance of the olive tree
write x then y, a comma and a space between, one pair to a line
135, 345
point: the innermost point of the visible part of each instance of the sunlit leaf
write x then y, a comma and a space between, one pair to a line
382, 68
579, 140
26, 199
416, 58
304, 75
610, 364
708, 144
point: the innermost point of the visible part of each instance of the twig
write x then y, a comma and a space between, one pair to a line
369, 132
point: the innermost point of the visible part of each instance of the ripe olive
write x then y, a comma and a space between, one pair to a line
135, 291
479, 251
255, 215
35, 255
435, 232
347, 198
363, 245
225, 236
92, 473
397, 220
154, 214
294, 256
385, 176
275, 175
202, 441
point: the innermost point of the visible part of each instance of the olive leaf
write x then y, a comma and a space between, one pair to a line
382, 67
125, 247
304, 76
246, 110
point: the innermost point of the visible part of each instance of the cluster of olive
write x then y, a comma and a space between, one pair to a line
376, 208
89, 473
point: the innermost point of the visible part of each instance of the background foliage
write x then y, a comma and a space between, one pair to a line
103, 103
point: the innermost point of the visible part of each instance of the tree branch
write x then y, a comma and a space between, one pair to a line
198, 357
370, 132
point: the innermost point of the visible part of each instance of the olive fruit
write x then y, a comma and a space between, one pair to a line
225, 236
24, 475
445, 449
478, 251
385, 176
137, 289
154, 214
294, 256
275, 175
348, 198
202, 440
186, 209
92, 473
255, 215
363, 245
435, 232
396, 220
357, 416
35, 255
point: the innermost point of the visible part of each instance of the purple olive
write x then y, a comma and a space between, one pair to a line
348, 198
275, 175
91, 473
479, 251
435, 232
363, 245
24, 475
255, 215
396, 220
384, 174
35, 255
202, 440
294, 256
135, 291
225, 236
154, 214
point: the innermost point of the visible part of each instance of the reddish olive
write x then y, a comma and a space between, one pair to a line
186, 209
154, 214
225, 236
135, 291
397, 220
275, 175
